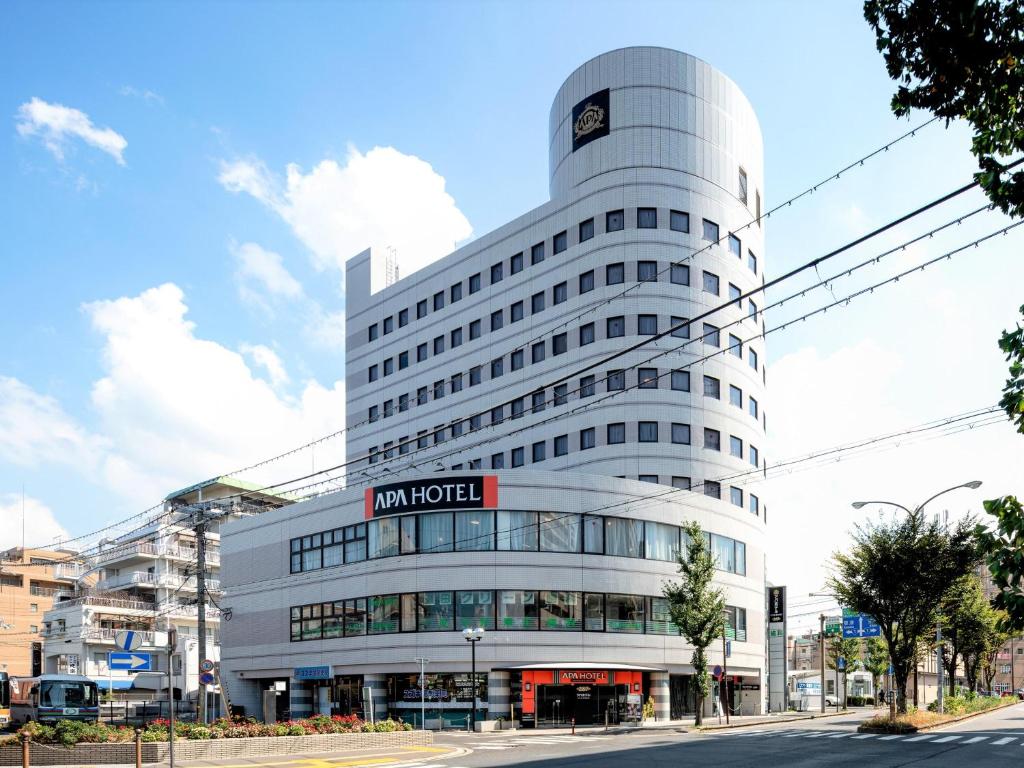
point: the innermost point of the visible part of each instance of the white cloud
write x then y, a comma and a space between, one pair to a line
34, 429
142, 93
40, 526
258, 265
267, 359
380, 199
56, 125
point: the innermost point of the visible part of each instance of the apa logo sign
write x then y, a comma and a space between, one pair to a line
424, 495
590, 119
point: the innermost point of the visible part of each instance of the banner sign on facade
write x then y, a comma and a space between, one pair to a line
590, 119
776, 605
479, 492
322, 672
586, 676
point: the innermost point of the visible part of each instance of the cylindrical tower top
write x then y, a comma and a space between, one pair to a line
652, 108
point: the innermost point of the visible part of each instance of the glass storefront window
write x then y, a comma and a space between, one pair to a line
593, 534
384, 614
661, 542
436, 612
332, 626
659, 620
517, 609
625, 613
355, 617
594, 608
623, 537
474, 609
474, 531
435, 533
560, 610
559, 532
517, 531
382, 537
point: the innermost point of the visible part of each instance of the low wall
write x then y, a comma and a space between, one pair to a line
214, 749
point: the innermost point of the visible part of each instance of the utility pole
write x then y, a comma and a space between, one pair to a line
422, 661
201, 604
172, 637
724, 686
821, 648
1013, 670
938, 658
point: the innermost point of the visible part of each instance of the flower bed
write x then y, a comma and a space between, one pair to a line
918, 719
71, 732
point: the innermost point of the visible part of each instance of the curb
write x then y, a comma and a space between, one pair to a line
813, 716
943, 724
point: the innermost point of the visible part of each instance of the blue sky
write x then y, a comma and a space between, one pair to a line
95, 426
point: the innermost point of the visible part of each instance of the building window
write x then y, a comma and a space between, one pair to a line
713, 489
735, 346
647, 271
743, 186
735, 396
474, 330
438, 300
681, 434
389, 325
678, 221
616, 433
497, 367
403, 403
647, 325
517, 610
560, 293
712, 387
615, 327
587, 281
736, 446
389, 366
374, 413
537, 253
735, 247
538, 401
561, 394
516, 312
421, 438
497, 414
497, 273
711, 335
712, 439
516, 360
518, 406
587, 386
752, 261
680, 327
438, 345
421, 396
680, 274
374, 373
754, 456
752, 406
456, 383
757, 212
456, 292
586, 229
438, 389
559, 343
517, 457
497, 320
710, 231
615, 273
648, 431
421, 352
475, 423
734, 295
647, 378
711, 283
537, 303
681, 381
648, 479
586, 334
537, 352
616, 380
561, 445
456, 338
474, 283
539, 450
614, 221
373, 332
588, 438
754, 505
498, 461
752, 310
560, 242
647, 218
752, 358
625, 613
389, 408
421, 309
515, 264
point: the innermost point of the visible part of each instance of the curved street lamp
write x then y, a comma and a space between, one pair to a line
473, 636
973, 485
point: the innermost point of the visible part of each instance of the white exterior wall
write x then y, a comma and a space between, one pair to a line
679, 133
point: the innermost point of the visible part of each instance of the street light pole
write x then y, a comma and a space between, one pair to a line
423, 691
821, 648
473, 636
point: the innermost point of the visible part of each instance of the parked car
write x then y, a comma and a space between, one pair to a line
831, 701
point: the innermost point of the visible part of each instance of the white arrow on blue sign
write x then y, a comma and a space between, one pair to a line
859, 625
135, 662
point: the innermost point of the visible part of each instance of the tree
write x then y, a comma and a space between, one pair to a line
961, 59
1003, 548
848, 649
1012, 345
696, 607
876, 662
989, 657
965, 618
897, 572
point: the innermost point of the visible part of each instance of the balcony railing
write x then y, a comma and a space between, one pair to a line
69, 570
109, 602
134, 578
130, 549
35, 589
104, 635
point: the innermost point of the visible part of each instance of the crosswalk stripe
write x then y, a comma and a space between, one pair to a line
1004, 740
944, 739
818, 735
922, 738
976, 739
892, 738
793, 735
865, 736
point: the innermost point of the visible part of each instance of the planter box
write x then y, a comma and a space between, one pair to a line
214, 749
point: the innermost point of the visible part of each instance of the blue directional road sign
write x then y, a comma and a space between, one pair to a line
842, 663
859, 625
133, 662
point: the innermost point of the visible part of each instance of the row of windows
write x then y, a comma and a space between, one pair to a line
647, 271
647, 218
504, 531
504, 609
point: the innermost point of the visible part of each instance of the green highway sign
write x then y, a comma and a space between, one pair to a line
833, 626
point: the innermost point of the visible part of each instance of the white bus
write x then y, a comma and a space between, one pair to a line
49, 698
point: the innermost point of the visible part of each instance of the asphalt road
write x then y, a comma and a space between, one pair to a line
993, 739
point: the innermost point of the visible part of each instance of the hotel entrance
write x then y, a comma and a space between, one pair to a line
555, 698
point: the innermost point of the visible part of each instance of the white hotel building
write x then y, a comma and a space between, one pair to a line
570, 474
